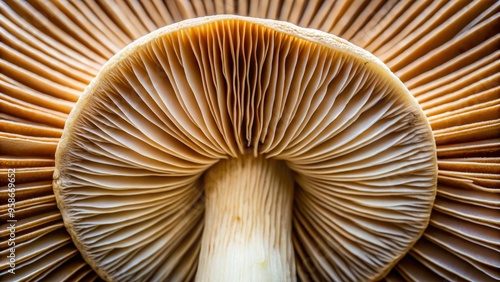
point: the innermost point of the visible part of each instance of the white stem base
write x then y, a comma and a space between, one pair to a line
248, 222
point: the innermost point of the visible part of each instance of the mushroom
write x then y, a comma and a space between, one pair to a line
183, 152
446, 53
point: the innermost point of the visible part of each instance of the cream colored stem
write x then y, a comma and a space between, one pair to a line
248, 222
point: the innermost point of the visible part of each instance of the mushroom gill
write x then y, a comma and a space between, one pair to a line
247, 102
445, 52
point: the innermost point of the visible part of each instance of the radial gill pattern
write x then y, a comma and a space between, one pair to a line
165, 109
445, 52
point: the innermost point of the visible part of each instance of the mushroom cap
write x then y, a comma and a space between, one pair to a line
169, 106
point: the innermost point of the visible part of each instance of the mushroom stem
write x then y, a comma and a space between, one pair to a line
248, 222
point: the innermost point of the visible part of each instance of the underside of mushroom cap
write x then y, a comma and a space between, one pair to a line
164, 110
